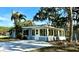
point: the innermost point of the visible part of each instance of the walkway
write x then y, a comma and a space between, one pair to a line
23, 45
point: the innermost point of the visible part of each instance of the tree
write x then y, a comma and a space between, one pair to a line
26, 23
52, 14
17, 17
69, 12
76, 14
76, 21
71, 24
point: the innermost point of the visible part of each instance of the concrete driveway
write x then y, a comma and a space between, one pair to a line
22, 45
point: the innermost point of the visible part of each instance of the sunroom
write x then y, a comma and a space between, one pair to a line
43, 33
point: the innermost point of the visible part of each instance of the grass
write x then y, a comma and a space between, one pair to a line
48, 49
59, 46
5, 38
57, 49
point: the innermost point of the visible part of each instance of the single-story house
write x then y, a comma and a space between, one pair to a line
42, 33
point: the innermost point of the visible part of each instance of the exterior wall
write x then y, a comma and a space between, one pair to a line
51, 38
47, 37
62, 38
13, 34
44, 38
40, 38
30, 34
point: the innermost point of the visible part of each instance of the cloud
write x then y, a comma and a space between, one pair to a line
5, 17
2, 18
5, 20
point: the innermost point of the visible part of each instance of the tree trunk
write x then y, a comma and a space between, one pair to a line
71, 25
16, 27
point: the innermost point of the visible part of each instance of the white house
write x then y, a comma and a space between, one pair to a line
43, 33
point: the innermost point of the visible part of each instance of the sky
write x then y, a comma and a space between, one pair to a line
5, 14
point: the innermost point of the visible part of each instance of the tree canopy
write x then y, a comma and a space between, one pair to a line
53, 15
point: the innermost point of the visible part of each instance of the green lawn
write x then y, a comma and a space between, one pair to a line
5, 38
57, 47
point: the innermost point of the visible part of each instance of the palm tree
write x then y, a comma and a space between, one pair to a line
17, 17
26, 23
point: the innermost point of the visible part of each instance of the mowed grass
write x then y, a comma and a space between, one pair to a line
60, 47
5, 38
57, 49
56, 46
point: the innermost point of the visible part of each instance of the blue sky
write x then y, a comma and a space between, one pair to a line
5, 14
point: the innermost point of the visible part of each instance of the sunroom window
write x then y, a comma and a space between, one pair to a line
43, 32
51, 32
33, 32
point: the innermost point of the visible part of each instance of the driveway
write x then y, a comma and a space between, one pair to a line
22, 45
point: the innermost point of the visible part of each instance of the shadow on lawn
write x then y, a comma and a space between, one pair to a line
60, 46
17, 46
57, 49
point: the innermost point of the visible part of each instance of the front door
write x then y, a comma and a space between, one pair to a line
36, 35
